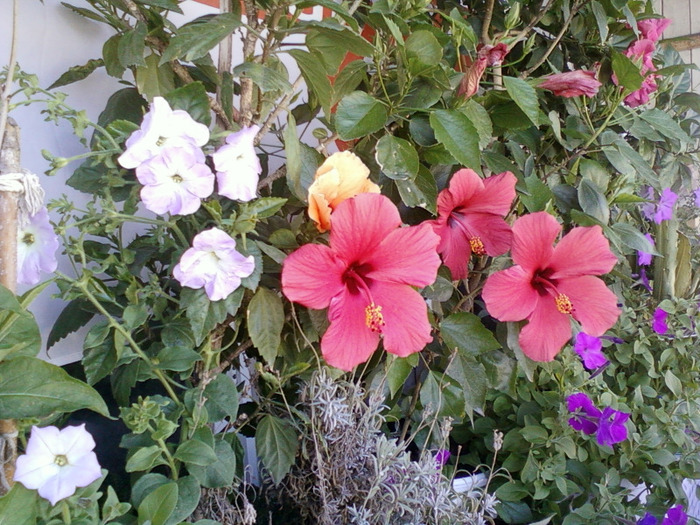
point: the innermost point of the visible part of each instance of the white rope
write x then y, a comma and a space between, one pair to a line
28, 186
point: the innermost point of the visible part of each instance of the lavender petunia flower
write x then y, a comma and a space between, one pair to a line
585, 415
664, 209
237, 165
213, 263
36, 248
588, 347
175, 181
612, 427
162, 126
659, 324
675, 516
648, 519
644, 258
56, 462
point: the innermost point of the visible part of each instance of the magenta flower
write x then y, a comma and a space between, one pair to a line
642, 95
237, 165
642, 52
442, 456
675, 516
548, 285
644, 258
365, 278
162, 127
213, 263
651, 28
572, 84
584, 415
612, 427
588, 347
659, 324
36, 248
56, 462
175, 181
664, 209
470, 218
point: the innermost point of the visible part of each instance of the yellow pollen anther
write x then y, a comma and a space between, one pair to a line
60, 460
477, 246
177, 178
374, 318
564, 304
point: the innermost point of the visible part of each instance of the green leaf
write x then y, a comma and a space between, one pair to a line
188, 495
421, 191
339, 9
266, 78
314, 74
593, 171
331, 45
359, 114
76, 73
399, 368
30, 387
132, 45
456, 132
221, 398
177, 358
110, 57
125, 104
443, 395
423, 52
145, 458
177, 332
478, 116
195, 452
525, 96
194, 40
277, 444
99, 360
632, 237
153, 80
397, 158
19, 332
265, 317
157, 507
601, 18
204, 314
112, 508
348, 79
665, 124
192, 98
538, 194
19, 506
219, 473
626, 71
593, 202
465, 332
292, 148
673, 383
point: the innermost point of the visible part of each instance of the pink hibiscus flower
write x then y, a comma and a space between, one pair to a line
550, 283
470, 218
572, 83
365, 280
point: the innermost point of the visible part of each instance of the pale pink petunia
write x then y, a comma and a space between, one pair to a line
365, 278
161, 127
56, 462
213, 263
175, 181
36, 248
549, 284
572, 83
470, 218
237, 165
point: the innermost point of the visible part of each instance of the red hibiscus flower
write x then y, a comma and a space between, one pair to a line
572, 84
470, 218
365, 279
550, 283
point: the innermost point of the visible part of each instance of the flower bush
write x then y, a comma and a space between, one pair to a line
506, 246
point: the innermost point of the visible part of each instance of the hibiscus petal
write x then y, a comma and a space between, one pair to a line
406, 328
509, 296
546, 332
492, 230
464, 184
348, 341
533, 237
497, 195
595, 306
408, 256
361, 223
582, 251
312, 276
454, 248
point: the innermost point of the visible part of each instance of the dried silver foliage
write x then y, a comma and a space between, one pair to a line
352, 473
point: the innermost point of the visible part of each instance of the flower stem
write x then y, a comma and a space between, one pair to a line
169, 458
65, 512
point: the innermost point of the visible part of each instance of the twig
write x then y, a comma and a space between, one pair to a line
487, 22
279, 173
521, 35
134, 10
278, 109
355, 6
10, 76
248, 52
225, 57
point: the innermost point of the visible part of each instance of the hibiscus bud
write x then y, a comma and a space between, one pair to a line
572, 84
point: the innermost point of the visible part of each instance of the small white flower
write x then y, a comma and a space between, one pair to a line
36, 248
237, 165
162, 127
56, 462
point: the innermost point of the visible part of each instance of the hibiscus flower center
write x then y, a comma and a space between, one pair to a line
545, 285
374, 318
355, 279
477, 246
61, 460
456, 220
28, 238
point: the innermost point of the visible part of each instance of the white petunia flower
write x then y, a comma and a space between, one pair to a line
237, 165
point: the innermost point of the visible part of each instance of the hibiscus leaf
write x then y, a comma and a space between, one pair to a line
195, 39
132, 45
525, 96
219, 473
221, 398
266, 78
421, 191
277, 444
444, 394
423, 52
265, 317
626, 71
320, 89
359, 114
593, 202
455, 131
465, 332
397, 158
192, 98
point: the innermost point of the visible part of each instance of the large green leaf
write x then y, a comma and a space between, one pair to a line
423, 52
194, 40
192, 98
456, 132
157, 507
397, 158
443, 395
332, 44
221, 472
19, 333
478, 116
30, 387
19, 506
525, 96
265, 317
195, 452
593, 202
626, 71
359, 114
266, 78
314, 74
465, 332
421, 191
221, 398
132, 45
276, 443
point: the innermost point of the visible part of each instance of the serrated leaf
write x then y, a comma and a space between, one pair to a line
317, 82
76, 73
626, 71
132, 45
196, 39
478, 116
397, 158
221, 398
192, 98
455, 131
277, 444
359, 114
421, 191
465, 332
266, 78
423, 52
265, 316
525, 96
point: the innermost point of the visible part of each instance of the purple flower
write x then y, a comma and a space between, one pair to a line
648, 519
56, 462
644, 279
175, 181
588, 347
214, 264
664, 209
612, 427
644, 258
237, 165
36, 248
585, 415
675, 516
442, 456
697, 197
648, 208
659, 324
162, 127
